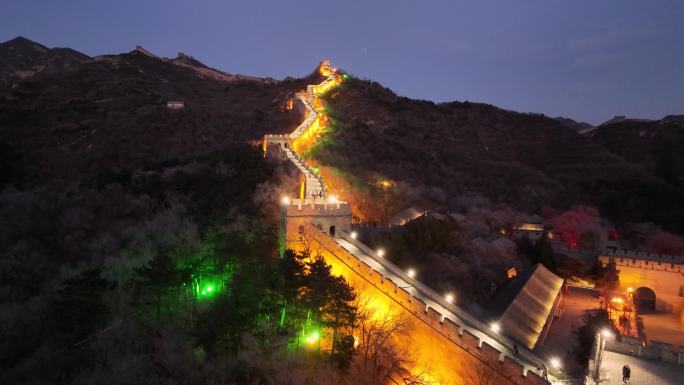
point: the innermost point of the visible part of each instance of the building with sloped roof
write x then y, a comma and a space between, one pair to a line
403, 217
525, 306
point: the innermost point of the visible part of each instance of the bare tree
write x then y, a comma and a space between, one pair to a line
480, 373
382, 355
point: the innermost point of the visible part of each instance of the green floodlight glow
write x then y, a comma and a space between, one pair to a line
345, 76
312, 338
205, 290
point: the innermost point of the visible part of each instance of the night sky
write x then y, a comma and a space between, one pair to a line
583, 59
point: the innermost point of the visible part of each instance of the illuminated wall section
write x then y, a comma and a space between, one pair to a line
450, 355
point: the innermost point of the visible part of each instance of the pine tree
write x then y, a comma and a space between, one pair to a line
543, 251
525, 248
79, 308
608, 277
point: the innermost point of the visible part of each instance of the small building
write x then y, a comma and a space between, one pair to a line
533, 231
175, 104
403, 217
525, 306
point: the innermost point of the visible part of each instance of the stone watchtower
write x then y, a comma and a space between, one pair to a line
314, 205
330, 216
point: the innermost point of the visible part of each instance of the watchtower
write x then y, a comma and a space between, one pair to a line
329, 215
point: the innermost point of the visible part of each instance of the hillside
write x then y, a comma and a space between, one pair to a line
21, 58
575, 125
94, 162
108, 116
446, 150
100, 120
656, 145
125, 224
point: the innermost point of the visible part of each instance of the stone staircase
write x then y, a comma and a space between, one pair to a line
314, 187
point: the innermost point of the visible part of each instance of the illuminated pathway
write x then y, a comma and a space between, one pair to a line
438, 302
306, 133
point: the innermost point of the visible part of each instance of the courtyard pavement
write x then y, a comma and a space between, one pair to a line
644, 372
664, 327
561, 339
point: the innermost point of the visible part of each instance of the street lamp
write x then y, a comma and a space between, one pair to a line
380, 253
555, 362
602, 336
286, 200
411, 273
495, 327
449, 298
354, 234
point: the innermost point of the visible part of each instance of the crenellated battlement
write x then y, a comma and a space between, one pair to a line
633, 254
642, 260
662, 274
304, 207
329, 215
461, 338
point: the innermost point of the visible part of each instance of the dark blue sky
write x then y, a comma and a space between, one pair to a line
584, 59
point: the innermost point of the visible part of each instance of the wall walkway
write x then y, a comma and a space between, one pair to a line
450, 346
304, 135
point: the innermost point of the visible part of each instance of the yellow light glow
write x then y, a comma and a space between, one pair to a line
325, 69
449, 298
411, 273
380, 253
286, 201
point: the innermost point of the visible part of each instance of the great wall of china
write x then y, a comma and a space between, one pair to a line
663, 275
447, 342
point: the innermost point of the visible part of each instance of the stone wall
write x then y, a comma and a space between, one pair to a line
664, 274
655, 350
321, 215
451, 353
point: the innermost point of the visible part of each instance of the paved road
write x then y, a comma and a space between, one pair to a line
561, 339
643, 372
438, 303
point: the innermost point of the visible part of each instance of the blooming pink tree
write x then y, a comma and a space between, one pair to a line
579, 227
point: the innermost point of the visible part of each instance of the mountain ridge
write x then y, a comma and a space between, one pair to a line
107, 116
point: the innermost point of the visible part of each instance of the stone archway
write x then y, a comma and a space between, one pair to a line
645, 300
332, 230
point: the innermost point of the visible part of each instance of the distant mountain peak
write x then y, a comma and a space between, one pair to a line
21, 42
22, 58
573, 124
143, 51
187, 59
201, 70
